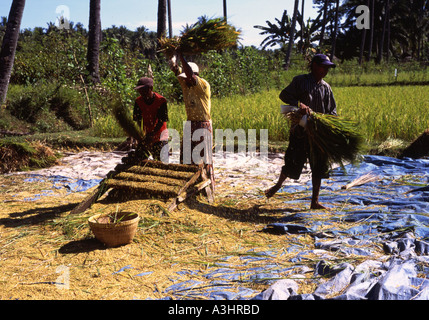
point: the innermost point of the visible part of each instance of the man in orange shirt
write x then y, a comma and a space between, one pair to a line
151, 109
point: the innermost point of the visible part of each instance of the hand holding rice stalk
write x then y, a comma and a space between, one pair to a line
206, 34
334, 136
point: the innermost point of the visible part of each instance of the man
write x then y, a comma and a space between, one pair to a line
311, 93
151, 109
197, 99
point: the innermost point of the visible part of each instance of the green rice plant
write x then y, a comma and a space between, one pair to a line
337, 137
380, 112
386, 112
107, 126
254, 111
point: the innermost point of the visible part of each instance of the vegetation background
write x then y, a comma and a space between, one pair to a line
54, 96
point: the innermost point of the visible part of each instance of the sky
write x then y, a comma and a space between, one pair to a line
243, 14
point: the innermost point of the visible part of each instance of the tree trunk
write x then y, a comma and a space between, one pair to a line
291, 35
225, 15
381, 45
334, 36
371, 37
162, 19
302, 26
388, 32
170, 23
8, 48
362, 43
325, 15
94, 39
362, 46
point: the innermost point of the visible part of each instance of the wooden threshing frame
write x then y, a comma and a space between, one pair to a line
175, 182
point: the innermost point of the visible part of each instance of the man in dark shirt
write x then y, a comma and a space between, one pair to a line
151, 109
311, 93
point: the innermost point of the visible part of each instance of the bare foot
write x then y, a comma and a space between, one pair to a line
317, 205
271, 191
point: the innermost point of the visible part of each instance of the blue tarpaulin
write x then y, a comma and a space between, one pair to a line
373, 244
60, 182
384, 233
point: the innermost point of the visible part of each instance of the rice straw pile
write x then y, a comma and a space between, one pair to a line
334, 136
206, 34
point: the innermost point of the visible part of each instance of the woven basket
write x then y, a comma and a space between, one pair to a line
114, 234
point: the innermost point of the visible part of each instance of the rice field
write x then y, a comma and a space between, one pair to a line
398, 112
382, 112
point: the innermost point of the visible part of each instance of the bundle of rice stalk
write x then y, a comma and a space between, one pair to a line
125, 120
204, 35
334, 136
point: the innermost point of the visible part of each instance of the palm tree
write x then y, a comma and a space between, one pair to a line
302, 21
8, 48
277, 34
94, 39
170, 23
325, 16
334, 36
309, 32
121, 34
371, 37
382, 37
292, 35
162, 19
417, 22
144, 41
362, 43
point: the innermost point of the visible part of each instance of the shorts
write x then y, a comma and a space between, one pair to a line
297, 154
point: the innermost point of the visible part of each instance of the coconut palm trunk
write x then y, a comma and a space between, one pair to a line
302, 25
162, 19
362, 44
322, 32
8, 48
170, 23
94, 39
292, 35
383, 33
371, 37
334, 36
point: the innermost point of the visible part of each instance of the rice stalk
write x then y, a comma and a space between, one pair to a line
151, 188
125, 120
145, 178
204, 35
369, 177
335, 136
161, 172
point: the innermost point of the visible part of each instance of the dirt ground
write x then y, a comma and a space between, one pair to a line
48, 253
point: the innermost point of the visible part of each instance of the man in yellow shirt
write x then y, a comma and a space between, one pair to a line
198, 131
